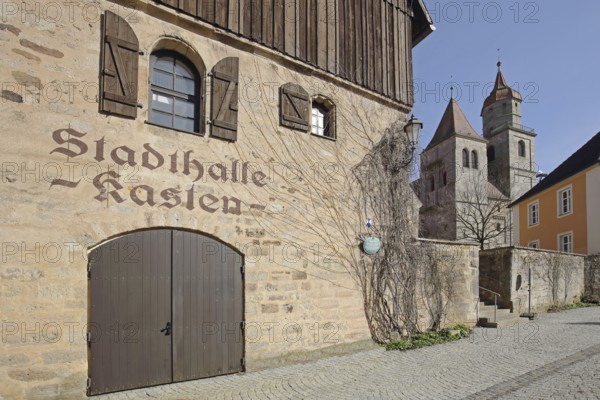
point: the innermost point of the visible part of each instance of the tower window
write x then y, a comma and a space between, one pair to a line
474, 160
431, 184
444, 178
521, 148
465, 158
491, 153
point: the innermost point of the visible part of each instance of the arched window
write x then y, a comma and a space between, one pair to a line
491, 153
323, 118
474, 160
465, 158
521, 148
174, 92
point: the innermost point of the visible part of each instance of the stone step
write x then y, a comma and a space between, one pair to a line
508, 323
501, 312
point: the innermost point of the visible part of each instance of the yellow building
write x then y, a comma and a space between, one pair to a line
562, 212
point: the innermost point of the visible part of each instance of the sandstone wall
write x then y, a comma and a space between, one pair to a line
592, 278
555, 277
297, 233
460, 268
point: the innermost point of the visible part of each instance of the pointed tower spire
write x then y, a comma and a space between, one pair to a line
501, 90
454, 122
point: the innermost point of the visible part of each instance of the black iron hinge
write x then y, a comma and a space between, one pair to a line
88, 384
243, 270
89, 271
88, 338
242, 325
243, 361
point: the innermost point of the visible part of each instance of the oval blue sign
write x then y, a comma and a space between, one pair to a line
371, 245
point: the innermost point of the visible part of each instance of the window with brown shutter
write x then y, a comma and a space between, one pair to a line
294, 107
175, 92
224, 105
118, 67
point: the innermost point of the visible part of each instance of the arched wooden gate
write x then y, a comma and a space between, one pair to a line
164, 306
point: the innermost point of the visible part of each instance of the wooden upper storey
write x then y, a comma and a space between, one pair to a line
367, 42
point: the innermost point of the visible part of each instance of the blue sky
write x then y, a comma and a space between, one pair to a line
550, 52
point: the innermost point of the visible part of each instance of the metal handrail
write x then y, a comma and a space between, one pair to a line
491, 291
513, 125
496, 295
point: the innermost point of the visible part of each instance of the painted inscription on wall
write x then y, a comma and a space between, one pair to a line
111, 186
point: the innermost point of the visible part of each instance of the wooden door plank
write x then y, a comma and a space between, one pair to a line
331, 31
321, 33
221, 13
267, 22
341, 40
278, 25
303, 30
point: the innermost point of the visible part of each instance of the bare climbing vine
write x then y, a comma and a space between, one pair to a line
405, 277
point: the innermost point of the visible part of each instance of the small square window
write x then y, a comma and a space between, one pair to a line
323, 119
534, 244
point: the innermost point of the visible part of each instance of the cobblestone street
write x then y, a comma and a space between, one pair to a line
557, 356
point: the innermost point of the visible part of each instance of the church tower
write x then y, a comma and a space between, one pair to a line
511, 146
451, 164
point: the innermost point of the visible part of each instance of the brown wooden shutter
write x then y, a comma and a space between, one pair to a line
224, 109
294, 107
119, 67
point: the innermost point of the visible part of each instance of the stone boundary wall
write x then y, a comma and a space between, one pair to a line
556, 278
592, 278
463, 259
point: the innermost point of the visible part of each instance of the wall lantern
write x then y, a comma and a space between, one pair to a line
371, 245
413, 130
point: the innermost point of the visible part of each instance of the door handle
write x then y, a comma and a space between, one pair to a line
167, 329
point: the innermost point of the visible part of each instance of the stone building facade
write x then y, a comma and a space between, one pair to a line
153, 136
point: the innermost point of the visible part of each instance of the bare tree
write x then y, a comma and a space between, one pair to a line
481, 210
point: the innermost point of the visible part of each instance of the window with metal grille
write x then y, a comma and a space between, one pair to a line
174, 92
